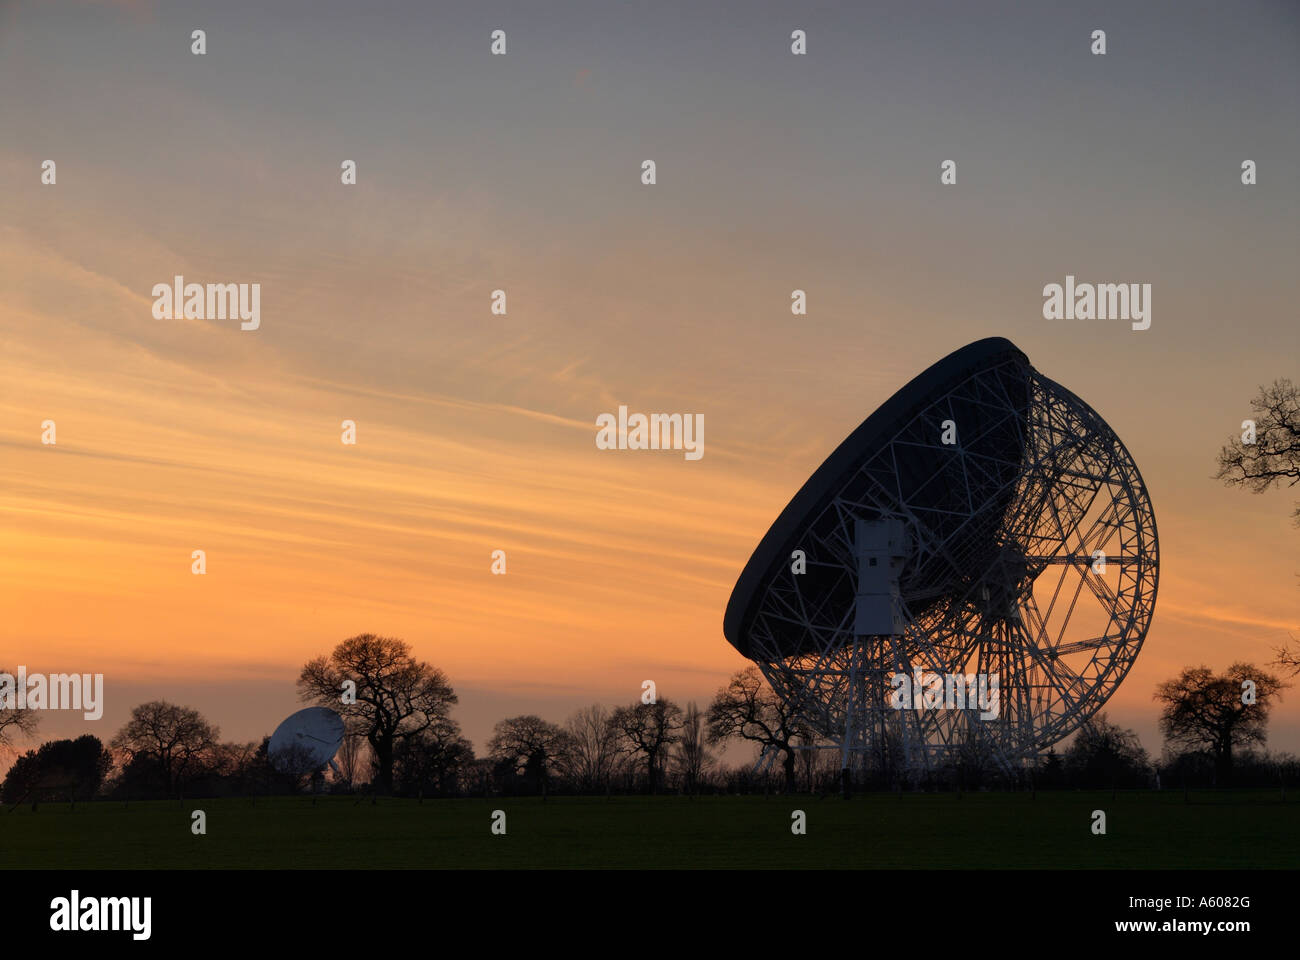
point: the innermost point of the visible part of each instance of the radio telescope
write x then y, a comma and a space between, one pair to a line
306, 741
983, 521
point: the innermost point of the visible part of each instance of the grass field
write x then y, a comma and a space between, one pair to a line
1241, 829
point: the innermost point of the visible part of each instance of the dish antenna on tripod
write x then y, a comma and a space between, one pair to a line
306, 741
983, 521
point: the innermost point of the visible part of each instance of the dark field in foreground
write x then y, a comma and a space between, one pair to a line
1145, 830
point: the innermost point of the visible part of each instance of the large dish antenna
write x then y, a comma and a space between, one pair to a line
983, 521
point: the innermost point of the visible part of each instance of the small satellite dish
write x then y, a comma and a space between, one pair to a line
306, 741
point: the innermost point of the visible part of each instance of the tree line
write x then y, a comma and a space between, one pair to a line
401, 739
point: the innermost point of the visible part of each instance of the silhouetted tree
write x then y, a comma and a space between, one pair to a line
175, 741
432, 762
1288, 658
235, 765
1104, 754
1051, 773
1202, 708
747, 708
648, 729
58, 769
397, 696
975, 762
351, 758
1274, 457
14, 722
593, 748
1186, 768
693, 758
478, 778
529, 747
1272, 460
298, 764
288, 774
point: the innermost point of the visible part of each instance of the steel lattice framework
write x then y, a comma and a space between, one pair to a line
1032, 555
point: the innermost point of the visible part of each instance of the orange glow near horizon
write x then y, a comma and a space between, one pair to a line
619, 564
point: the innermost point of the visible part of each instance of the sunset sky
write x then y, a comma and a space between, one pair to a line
476, 431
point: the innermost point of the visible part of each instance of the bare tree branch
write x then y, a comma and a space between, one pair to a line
1274, 458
